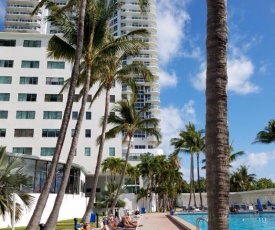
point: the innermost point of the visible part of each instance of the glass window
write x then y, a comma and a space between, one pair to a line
87, 151
88, 115
5, 79
74, 115
6, 63
140, 147
72, 132
87, 133
76, 98
6, 42
52, 115
32, 43
50, 132
113, 83
112, 98
40, 175
89, 98
54, 81
54, 97
4, 96
25, 114
47, 151
28, 80
26, 97
3, 114
30, 64
23, 133
2, 132
56, 65
22, 150
112, 151
139, 134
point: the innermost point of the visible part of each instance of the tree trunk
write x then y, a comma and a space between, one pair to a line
191, 184
199, 179
216, 135
41, 202
193, 179
90, 206
122, 176
51, 222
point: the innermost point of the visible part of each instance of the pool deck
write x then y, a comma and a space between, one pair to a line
163, 221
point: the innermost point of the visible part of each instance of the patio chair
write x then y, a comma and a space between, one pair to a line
270, 205
184, 208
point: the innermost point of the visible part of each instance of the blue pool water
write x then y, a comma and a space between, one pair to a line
243, 221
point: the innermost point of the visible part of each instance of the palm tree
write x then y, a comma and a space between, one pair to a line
114, 165
190, 141
133, 173
267, 136
216, 131
41, 202
241, 180
129, 121
105, 198
12, 177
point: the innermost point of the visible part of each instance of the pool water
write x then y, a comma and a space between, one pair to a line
243, 221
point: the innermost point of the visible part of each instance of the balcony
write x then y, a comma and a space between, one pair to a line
22, 15
153, 91
23, 29
155, 100
154, 108
21, 22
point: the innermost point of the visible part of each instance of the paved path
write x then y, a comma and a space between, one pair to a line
157, 221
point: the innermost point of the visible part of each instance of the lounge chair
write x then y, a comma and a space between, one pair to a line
184, 208
270, 205
259, 205
244, 207
237, 207
106, 223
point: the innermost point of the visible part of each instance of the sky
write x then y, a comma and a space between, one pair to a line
182, 73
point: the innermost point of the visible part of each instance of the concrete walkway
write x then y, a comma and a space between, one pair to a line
157, 221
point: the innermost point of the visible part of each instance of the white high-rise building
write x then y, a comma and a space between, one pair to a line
31, 107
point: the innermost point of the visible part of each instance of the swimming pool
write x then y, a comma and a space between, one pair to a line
244, 221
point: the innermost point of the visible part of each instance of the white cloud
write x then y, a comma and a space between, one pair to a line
240, 69
167, 79
173, 120
172, 19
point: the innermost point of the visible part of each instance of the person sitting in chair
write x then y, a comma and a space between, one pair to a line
127, 221
86, 226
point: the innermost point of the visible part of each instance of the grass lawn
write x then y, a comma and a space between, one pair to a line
61, 225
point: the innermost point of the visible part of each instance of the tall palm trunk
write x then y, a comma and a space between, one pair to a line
199, 179
51, 222
122, 176
90, 205
193, 179
216, 145
41, 202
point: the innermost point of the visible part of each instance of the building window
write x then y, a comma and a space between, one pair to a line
3, 114
87, 151
5, 79
113, 84
32, 43
88, 115
22, 150
150, 146
54, 97
47, 151
54, 81
112, 98
6, 42
30, 64
76, 98
139, 134
26, 97
23, 133
87, 133
4, 96
52, 115
50, 132
112, 151
6, 63
25, 114
2, 132
140, 147
89, 98
74, 115
72, 132
28, 80
56, 65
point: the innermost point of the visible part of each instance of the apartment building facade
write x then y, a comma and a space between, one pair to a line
31, 107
